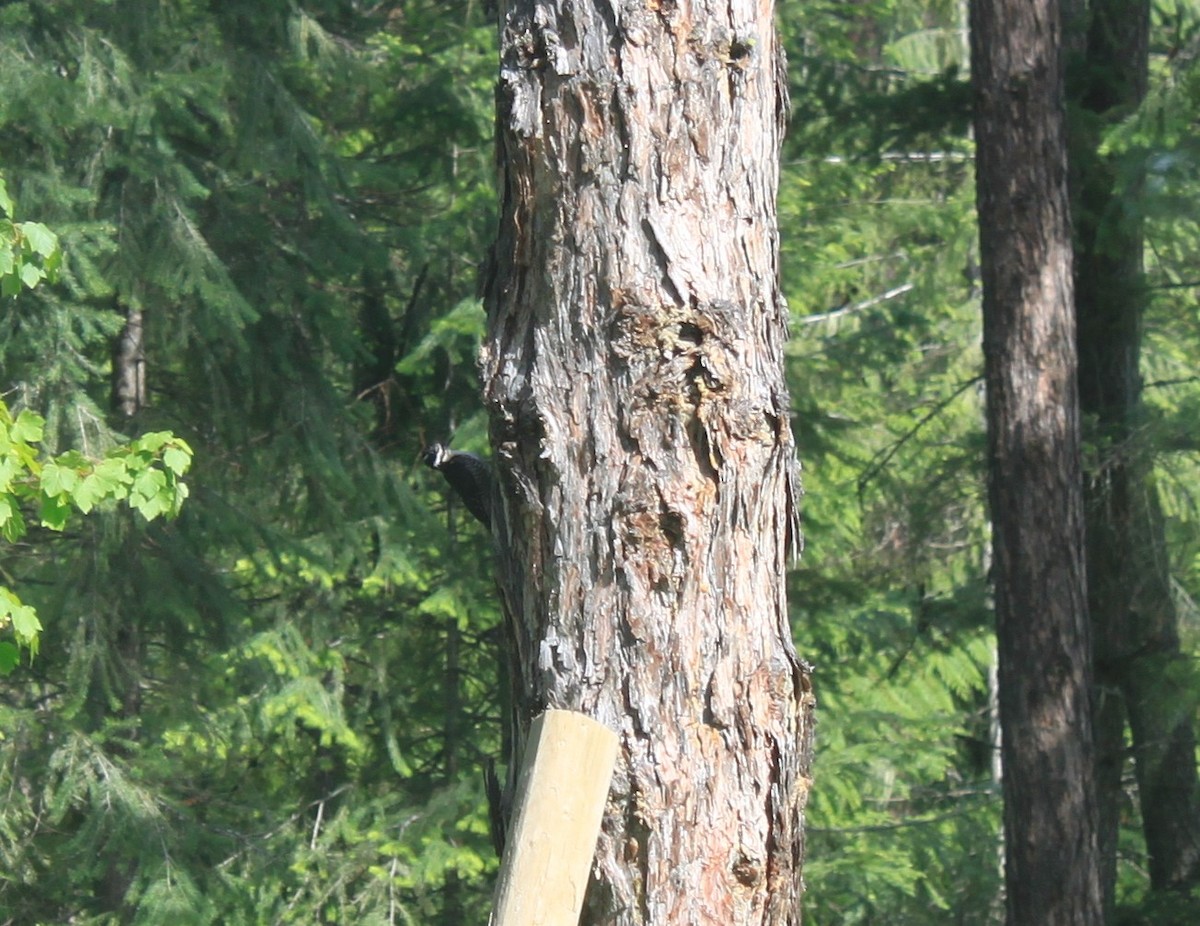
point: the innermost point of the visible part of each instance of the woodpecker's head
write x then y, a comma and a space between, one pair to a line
436, 455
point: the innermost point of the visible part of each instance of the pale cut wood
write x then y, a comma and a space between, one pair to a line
560, 800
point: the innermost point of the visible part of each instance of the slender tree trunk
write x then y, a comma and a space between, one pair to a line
453, 911
115, 697
633, 369
374, 376
129, 366
1034, 473
1139, 666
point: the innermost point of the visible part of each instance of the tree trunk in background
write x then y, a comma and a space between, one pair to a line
1036, 501
633, 370
129, 366
1139, 668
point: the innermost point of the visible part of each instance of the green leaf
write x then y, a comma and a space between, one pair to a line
148, 484
6, 203
153, 440
150, 494
55, 511
25, 623
10, 657
12, 524
151, 508
73, 459
40, 238
27, 627
53, 264
88, 494
31, 274
181, 493
8, 470
28, 427
109, 480
177, 460
57, 479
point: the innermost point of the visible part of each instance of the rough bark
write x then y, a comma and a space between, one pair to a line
1035, 493
1139, 666
633, 372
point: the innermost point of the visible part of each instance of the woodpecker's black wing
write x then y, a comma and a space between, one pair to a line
469, 476
499, 806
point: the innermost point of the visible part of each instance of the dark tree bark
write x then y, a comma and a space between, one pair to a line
633, 372
1140, 671
1051, 873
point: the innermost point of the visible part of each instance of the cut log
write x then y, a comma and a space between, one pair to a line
561, 793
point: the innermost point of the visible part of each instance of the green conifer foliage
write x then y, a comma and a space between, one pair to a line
892, 592
277, 707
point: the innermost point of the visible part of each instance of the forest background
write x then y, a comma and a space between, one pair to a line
277, 707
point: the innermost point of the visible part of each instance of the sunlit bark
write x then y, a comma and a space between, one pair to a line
633, 370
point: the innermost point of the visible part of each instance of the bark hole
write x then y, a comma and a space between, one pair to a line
747, 871
702, 449
690, 332
671, 526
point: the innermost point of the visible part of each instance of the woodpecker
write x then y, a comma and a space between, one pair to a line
469, 476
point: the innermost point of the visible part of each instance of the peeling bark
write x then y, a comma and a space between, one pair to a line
633, 372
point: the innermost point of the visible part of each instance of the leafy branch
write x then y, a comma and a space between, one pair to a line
29, 251
147, 473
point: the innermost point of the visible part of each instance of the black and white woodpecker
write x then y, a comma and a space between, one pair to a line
469, 476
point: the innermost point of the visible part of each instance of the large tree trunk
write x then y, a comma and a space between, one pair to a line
1140, 671
633, 371
1035, 493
